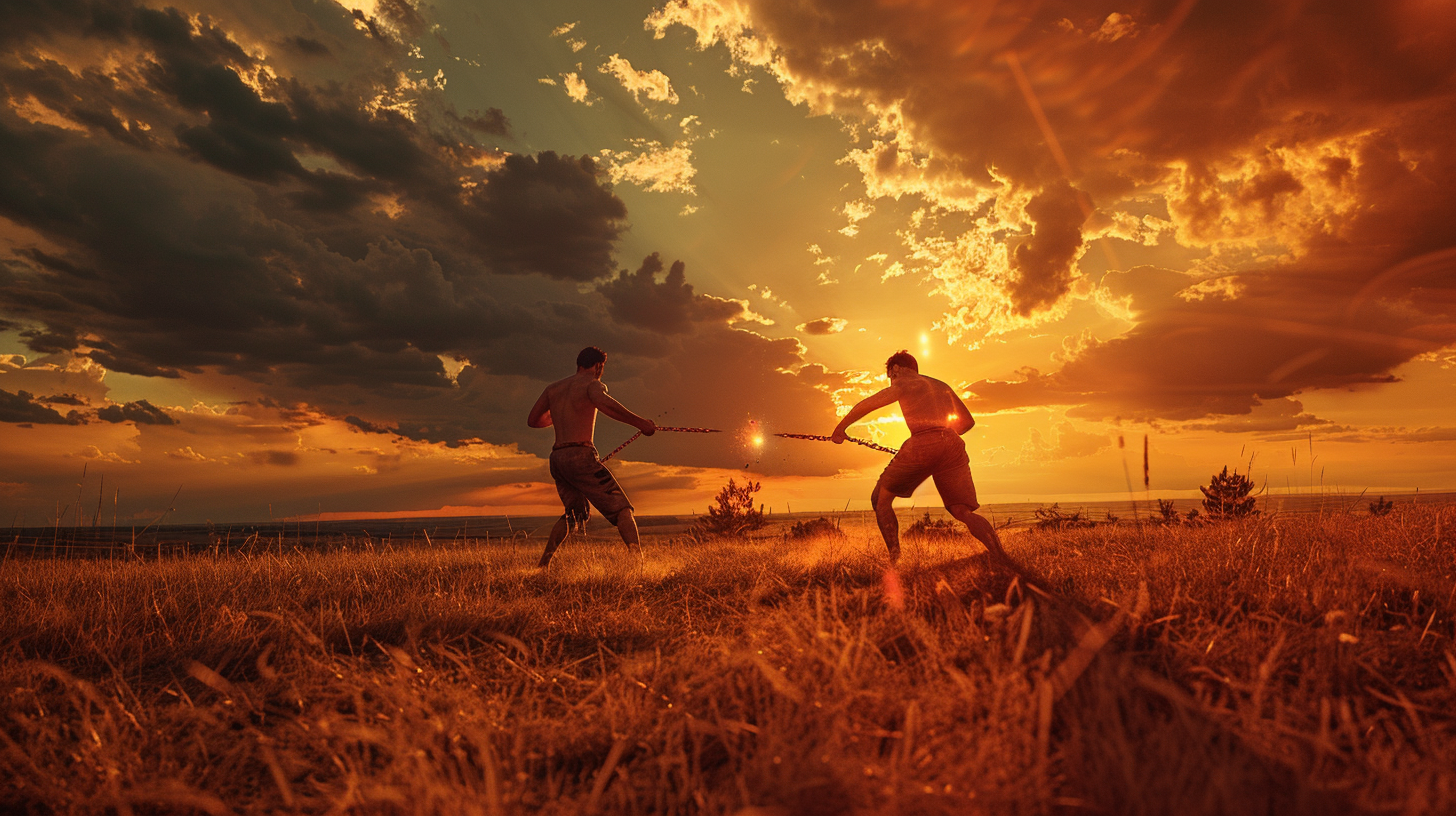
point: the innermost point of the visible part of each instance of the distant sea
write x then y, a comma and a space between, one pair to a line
437, 531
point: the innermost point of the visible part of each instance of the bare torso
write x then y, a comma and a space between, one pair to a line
570, 407
927, 403
573, 413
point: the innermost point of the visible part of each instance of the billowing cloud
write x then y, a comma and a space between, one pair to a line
81, 379
1274, 416
1070, 444
652, 84
1302, 150
1283, 335
1043, 263
140, 411
669, 306
178, 200
824, 325
652, 166
576, 87
22, 407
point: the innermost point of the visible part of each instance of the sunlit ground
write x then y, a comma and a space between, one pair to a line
1294, 664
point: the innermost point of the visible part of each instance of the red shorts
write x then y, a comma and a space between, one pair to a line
936, 454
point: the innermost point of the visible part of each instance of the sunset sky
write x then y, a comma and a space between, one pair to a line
282, 257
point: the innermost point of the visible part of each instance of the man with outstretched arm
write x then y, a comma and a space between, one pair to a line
570, 406
937, 417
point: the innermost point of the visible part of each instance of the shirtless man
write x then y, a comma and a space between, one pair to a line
571, 406
937, 417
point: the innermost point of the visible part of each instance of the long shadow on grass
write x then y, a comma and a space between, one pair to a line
1124, 739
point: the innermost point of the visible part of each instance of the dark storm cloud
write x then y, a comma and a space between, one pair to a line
23, 407
193, 234
669, 307
1322, 129
1043, 263
492, 122
1176, 80
1272, 417
1217, 356
306, 46
141, 412
1357, 305
369, 427
274, 457
548, 214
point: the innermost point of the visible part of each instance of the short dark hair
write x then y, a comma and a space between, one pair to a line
902, 359
590, 356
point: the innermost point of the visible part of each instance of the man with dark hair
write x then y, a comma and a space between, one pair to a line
590, 356
570, 406
937, 417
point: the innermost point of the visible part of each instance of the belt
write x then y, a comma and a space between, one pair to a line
560, 445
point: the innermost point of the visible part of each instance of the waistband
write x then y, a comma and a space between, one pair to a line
937, 429
559, 445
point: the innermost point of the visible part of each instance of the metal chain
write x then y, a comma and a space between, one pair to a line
822, 438
660, 428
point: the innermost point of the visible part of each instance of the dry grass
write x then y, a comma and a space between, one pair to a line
1294, 664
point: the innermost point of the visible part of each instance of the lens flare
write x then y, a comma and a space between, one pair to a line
751, 438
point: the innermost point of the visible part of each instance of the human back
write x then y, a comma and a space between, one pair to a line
573, 410
927, 403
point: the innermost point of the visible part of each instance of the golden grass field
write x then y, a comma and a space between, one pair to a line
1285, 664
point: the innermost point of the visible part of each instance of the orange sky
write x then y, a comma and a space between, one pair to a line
277, 258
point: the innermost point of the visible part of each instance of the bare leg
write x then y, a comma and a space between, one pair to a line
980, 528
883, 503
627, 527
557, 534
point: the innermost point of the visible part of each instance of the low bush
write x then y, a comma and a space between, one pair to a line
1053, 518
930, 529
815, 528
733, 513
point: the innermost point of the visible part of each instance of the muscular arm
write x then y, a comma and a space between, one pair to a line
863, 408
618, 411
540, 416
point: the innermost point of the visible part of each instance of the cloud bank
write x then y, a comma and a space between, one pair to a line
1299, 153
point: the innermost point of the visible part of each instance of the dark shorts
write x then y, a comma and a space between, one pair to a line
939, 455
580, 478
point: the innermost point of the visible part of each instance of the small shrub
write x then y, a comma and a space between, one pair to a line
817, 528
1052, 518
1227, 495
734, 514
929, 528
1167, 512
1381, 507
